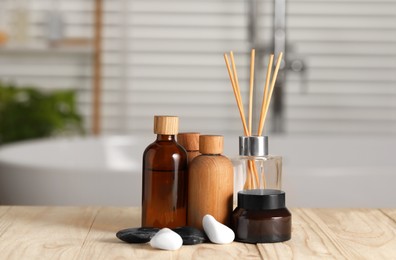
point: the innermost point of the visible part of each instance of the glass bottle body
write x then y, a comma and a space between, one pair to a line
164, 190
257, 172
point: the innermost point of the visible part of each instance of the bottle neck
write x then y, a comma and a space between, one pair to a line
161, 137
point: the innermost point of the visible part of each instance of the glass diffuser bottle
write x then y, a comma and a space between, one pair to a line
256, 168
261, 215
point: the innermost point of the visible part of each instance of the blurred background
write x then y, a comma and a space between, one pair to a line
105, 67
166, 56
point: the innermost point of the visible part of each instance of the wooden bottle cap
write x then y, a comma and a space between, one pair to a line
211, 144
166, 125
190, 141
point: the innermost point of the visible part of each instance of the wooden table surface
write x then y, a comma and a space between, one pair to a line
89, 233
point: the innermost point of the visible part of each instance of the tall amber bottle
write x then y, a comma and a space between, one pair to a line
164, 191
210, 184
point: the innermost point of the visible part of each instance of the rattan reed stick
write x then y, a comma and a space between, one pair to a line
265, 94
237, 97
251, 86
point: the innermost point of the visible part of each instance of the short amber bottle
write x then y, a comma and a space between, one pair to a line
261, 217
164, 189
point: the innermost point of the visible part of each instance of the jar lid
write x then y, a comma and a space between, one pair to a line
211, 144
166, 125
190, 141
253, 145
261, 199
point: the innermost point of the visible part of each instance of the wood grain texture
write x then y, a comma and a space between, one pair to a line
89, 233
337, 234
166, 125
190, 142
44, 233
391, 213
358, 233
3, 223
101, 243
308, 242
210, 189
4, 210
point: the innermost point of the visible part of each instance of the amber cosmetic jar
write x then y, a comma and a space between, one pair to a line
261, 217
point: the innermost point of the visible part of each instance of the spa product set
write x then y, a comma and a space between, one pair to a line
188, 186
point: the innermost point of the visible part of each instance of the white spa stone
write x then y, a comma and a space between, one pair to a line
166, 239
217, 232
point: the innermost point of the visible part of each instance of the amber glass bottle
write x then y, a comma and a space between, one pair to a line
164, 191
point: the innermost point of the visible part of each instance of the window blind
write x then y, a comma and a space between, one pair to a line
349, 49
165, 57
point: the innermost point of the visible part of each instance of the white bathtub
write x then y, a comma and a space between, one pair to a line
317, 171
72, 171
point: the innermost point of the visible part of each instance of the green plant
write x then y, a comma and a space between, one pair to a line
27, 113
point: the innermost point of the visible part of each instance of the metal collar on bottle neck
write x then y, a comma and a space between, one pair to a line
253, 145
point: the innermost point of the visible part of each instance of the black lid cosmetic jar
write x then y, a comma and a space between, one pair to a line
261, 217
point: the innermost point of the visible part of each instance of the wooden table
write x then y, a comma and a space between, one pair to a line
89, 233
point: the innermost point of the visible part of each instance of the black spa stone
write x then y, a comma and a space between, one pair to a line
137, 235
190, 235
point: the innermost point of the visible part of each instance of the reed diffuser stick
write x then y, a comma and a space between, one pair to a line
251, 85
274, 76
254, 180
265, 94
267, 97
235, 86
237, 97
238, 91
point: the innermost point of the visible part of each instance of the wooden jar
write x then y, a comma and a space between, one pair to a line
210, 184
190, 142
